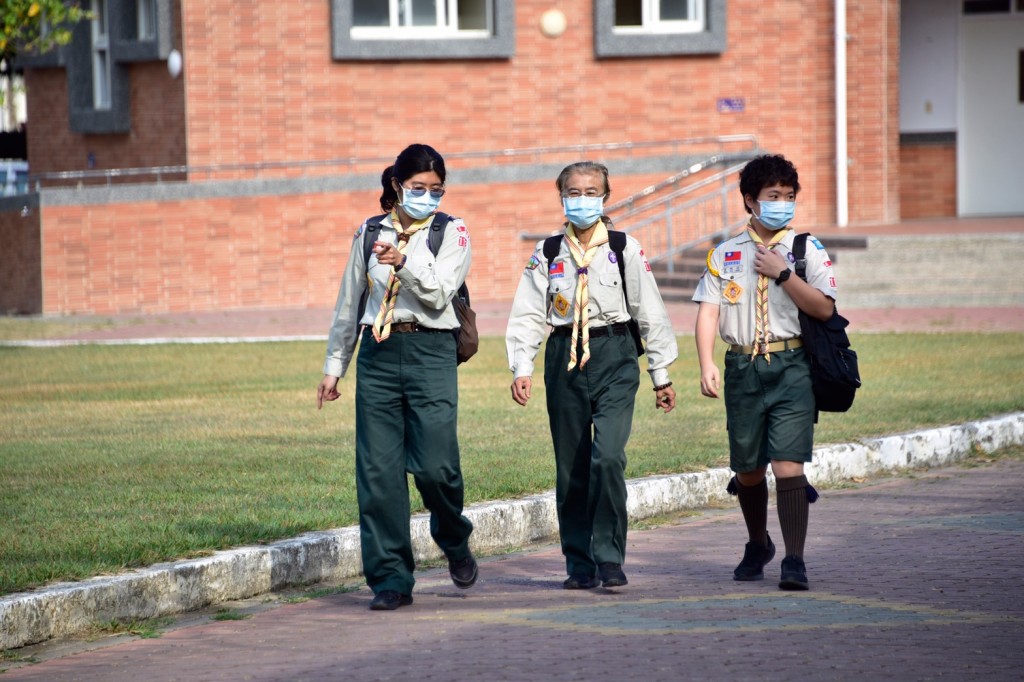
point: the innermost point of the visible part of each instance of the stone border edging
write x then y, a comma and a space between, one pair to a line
175, 587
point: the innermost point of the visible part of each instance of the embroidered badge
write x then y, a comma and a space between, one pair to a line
612, 258
828, 264
463, 241
711, 268
791, 257
533, 263
461, 228
647, 265
732, 291
561, 305
556, 270
817, 244
832, 282
733, 263
359, 232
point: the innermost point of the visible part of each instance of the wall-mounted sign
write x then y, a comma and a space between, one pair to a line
729, 105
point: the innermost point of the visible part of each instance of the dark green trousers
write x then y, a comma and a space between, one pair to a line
407, 397
591, 415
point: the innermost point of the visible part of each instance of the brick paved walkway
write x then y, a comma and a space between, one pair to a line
912, 578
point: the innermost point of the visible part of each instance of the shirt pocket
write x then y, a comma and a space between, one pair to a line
606, 296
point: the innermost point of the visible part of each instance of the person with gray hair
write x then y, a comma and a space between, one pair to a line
594, 287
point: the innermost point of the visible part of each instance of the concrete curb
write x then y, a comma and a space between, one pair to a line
163, 589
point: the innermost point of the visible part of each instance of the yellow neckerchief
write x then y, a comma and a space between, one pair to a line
582, 257
762, 335
385, 316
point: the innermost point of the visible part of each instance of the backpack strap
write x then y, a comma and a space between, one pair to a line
800, 255
437, 229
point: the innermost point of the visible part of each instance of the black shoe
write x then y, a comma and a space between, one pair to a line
794, 574
463, 571
389, 600
754, 558
581, 582
611, 575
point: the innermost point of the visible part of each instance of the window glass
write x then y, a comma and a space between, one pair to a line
473, 15
986, 6
370, 13
628, 13
147, 19
418, 12
675, 10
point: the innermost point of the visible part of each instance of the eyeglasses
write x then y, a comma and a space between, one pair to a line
435, 192
575, 193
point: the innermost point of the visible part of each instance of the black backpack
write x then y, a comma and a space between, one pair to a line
617, 243
834, 373
466, 336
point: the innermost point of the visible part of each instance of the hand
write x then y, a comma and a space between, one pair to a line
769, 262
521, 390
665, 399
327, 390
709, 382
387, 253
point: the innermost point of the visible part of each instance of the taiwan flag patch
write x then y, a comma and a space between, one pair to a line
556, 270
733, 262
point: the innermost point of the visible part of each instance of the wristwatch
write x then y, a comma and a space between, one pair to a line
783, 276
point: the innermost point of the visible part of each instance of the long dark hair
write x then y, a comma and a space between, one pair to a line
416, 158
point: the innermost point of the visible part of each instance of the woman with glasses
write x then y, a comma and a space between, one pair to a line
595, 288
399, 293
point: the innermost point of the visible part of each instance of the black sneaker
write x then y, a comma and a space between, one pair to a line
754, 558
611, 575
389, 600
581, 582
794, 574
463, 572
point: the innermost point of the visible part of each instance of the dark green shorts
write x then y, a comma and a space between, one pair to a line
769, 409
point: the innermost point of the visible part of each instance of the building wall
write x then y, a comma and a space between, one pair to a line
20, 276
249, 101
928, 180
260, 87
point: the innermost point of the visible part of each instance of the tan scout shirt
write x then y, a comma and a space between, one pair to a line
733, 260
425, 297
545, 297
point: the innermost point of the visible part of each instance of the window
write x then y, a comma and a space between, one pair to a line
659, 16
422, 29
645, 28
100, 55
420, 19
145, 14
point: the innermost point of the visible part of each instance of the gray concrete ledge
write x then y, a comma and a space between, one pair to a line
63, 609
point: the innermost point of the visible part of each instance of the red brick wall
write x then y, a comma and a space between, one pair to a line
261, 88
20, 276
928, 180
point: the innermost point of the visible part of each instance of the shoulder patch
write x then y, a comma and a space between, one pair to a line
533, 263
359, 231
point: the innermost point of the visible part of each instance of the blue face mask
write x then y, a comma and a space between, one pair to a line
775, 215
419, 207
583, 211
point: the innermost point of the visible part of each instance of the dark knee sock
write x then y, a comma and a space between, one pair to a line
792, 503
754, 503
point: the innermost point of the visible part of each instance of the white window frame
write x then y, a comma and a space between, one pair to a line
101, 86
446, 24
651, 22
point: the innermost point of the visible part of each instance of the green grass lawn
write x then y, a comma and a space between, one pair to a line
124, 456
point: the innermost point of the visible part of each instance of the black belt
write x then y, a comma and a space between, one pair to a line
614, 329
409, 327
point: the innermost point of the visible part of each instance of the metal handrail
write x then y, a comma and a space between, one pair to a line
353, 162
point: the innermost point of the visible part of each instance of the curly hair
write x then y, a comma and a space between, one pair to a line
767, 171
